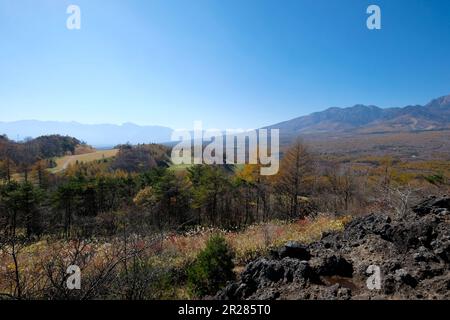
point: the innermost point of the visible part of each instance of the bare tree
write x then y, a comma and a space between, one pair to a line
401, 199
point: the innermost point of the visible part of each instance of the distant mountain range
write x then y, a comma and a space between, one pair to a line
371, 119
358, 119
97, 135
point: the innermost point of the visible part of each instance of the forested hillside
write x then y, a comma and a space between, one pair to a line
21, 156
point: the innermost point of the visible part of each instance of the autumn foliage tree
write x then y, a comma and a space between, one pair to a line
295, 177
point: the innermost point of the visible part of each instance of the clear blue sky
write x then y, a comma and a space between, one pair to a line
229, 63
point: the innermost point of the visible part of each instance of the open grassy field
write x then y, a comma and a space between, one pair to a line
63, 162
406, 146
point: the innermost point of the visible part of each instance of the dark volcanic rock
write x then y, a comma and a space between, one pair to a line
412, 234
432, 204
294, 249
333, 264
412, 253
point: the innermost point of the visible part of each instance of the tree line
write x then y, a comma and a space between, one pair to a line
92, 198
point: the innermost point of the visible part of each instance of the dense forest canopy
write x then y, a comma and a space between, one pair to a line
141, 158
39, 148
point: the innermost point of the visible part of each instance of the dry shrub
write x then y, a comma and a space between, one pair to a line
43, 264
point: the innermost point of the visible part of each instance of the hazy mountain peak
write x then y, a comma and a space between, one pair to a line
443, 101
129, 124
363, 106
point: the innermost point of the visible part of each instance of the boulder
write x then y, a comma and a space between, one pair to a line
296, 250
431, 204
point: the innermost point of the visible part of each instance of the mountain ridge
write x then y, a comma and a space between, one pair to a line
369, 118
98, 135
357, 119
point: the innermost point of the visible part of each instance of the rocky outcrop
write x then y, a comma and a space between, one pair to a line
411, 252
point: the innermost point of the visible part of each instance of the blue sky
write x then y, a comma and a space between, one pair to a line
229, 63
